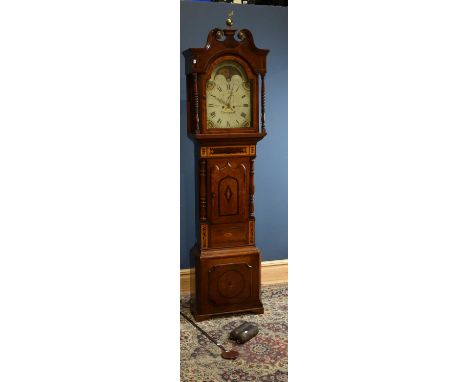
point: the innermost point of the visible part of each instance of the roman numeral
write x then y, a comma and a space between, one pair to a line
228, 86
246, 105
219, 121
237, 122
243, 115
219, 88
211, 104
213, 114
243, 95
227, 124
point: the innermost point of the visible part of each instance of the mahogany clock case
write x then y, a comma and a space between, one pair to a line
224, 254
225, 260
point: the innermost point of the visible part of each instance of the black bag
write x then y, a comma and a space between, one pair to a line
244, 332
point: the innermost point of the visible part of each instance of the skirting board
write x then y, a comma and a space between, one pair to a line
273, 272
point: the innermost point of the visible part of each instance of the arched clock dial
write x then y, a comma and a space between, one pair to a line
228, 99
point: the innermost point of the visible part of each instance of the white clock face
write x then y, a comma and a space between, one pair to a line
228, 101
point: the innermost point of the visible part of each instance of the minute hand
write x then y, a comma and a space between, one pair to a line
220, 100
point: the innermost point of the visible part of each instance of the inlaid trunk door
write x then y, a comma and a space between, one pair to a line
228, 190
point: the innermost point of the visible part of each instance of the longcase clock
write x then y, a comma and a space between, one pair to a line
226, 120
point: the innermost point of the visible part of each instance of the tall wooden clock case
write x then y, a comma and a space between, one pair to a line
226, 120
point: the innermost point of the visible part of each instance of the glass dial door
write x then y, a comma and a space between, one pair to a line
228, 100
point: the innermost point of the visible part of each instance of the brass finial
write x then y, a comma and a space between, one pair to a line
229, 21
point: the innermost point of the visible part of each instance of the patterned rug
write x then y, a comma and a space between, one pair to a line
264, 358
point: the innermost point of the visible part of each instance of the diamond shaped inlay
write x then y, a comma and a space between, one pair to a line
228, 193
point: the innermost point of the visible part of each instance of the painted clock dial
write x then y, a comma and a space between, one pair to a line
228, 99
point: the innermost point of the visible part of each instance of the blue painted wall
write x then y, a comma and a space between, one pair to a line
269, 26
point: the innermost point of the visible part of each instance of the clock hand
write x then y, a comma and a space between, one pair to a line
229, 98
220, 100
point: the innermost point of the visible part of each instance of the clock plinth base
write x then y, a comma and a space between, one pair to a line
226, 281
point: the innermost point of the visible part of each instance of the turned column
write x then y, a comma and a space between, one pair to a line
195, 98
263, 104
